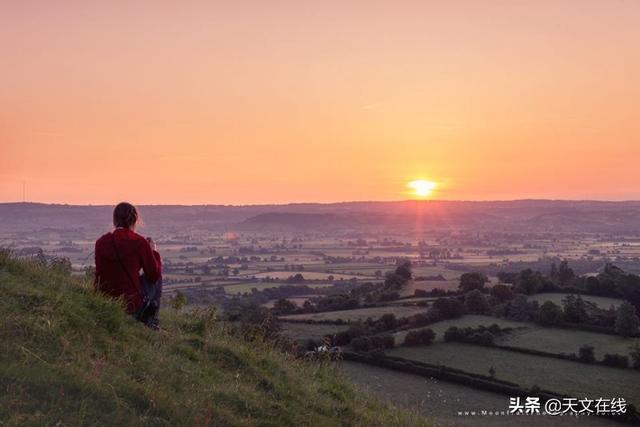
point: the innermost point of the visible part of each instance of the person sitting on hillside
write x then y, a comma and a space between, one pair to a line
119, 256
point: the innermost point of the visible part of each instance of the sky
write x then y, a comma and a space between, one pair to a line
246, 102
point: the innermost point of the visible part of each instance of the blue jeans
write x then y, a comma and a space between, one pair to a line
151, 293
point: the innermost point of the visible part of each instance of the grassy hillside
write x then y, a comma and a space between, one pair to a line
71, 357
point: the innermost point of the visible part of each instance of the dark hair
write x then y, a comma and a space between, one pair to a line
125, 215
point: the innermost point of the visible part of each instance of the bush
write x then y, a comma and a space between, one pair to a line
586, 354
635, 357
615, 360
626, 320
420, 337
453, 334
502, 292
476, 302
550, 314
482, 338
449, 308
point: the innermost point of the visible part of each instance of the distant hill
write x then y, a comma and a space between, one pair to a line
71, 357
518, 215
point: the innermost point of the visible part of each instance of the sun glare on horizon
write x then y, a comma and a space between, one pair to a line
422, 188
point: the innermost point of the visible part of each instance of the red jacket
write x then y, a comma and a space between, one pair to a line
135, 253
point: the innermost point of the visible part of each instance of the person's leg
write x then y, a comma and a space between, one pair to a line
153, 293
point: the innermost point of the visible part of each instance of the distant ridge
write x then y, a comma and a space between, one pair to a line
515, 216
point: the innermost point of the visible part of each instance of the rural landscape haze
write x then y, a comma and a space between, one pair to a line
351, 213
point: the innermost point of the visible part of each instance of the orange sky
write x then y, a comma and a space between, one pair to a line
287, 101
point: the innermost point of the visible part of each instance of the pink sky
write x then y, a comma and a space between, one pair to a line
257, 102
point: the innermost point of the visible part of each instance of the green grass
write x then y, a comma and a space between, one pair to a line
562, 376
601, 302
358, 313
71, 357
568, 341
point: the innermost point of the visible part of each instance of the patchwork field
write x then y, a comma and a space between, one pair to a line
557, 375
357, 314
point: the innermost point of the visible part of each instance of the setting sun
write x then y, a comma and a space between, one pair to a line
422, 188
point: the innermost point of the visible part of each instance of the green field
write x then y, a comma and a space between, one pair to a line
441, 401
567, 341
602, 302
471, 320
561, 376
358, 314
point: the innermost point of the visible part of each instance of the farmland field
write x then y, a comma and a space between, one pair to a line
246, 287
357, 314
561, 376
555, 340
309, 275
440, 401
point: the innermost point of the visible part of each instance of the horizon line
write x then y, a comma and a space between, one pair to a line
326, 203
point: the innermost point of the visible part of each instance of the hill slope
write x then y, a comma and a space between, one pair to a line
71, 357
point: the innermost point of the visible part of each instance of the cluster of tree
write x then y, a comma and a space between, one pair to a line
586, 354
518, 308
437, 278
611, 282
398, 279
575, 310
435, 292
483, 335
296, 278
424, 336
338, 259
259, 297
394, 281
369, 327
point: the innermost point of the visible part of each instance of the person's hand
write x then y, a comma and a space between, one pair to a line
152, 244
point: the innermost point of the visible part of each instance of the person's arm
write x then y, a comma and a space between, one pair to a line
151, 262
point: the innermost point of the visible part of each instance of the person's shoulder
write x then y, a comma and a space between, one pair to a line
135, 236
103, 238
138, 238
